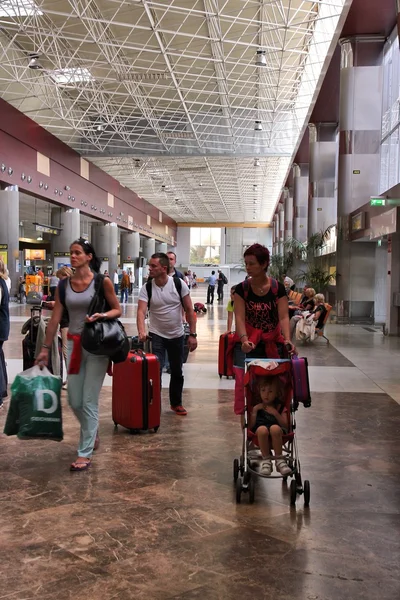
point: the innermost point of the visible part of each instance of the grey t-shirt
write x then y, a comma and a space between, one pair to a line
78, 304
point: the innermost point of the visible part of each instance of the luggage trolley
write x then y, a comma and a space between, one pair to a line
245, 468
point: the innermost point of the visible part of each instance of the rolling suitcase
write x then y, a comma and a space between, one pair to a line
225, 363
29, 341
301, 383
136, 392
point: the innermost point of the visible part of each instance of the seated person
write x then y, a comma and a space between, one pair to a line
289, 284
269, 421
319, 312
230, 309
307, 302
307, 307
199, 307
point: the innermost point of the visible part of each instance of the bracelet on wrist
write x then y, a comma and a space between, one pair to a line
46, 346
242, 336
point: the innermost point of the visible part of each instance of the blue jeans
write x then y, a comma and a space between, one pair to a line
124, 294
116, 288
83, 397
174, 349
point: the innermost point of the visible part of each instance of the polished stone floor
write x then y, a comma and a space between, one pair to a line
156, 516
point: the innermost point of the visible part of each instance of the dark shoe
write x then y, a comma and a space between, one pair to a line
168, 371
179, 410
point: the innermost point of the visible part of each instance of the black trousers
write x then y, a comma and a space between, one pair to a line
174, 349
210, 294
3, 374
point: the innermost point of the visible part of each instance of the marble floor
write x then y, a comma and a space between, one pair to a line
156, 516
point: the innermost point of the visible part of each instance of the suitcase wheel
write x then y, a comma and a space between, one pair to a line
115, 425
220, 376
134, 431
156, 429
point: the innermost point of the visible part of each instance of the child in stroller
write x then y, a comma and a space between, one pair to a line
269, 421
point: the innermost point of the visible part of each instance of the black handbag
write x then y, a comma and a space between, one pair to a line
104, 337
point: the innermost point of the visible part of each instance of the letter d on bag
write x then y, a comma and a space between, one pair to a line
40, 401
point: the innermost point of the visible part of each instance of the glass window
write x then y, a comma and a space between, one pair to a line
205, 244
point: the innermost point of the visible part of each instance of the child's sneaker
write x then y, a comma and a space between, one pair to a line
282, 467
266, 467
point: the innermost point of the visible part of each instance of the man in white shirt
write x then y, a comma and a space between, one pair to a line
167, 296
211, 287
116, 281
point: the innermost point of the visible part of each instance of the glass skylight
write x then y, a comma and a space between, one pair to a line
71, 75
18, 8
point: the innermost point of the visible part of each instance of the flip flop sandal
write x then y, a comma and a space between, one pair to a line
79, 466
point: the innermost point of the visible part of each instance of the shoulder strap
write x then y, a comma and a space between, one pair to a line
178, 285
149, 289
62, 286
245, 286
274, 286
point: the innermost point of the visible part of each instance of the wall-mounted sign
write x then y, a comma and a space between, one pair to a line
3, 246
61, 254
377, 201
358, 222
319, 209
356, 172
104, 258
33, 254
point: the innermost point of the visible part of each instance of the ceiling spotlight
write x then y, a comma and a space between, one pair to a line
100, 127
34, 61
29, 179
261, 60
10, 170
3, 167
67, 187
254, 186
39, 238
40, 184
256, 162
46, 187
23, 176
257, 126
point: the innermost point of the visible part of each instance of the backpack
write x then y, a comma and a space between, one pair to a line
149, 289
224, 278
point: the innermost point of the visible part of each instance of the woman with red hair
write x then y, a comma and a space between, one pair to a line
261, 317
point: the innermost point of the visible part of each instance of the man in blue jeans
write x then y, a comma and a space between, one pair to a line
164, 297
212, 280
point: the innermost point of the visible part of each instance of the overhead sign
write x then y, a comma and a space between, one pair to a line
356, 172
358, 222
61, 254
3, 246
47, 229
33, 254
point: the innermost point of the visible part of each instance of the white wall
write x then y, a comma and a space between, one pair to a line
183, 246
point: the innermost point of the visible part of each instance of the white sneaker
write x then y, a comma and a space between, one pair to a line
282, 466
266, 467
254, 454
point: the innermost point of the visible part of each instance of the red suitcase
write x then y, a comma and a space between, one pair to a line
225, 364
136, 392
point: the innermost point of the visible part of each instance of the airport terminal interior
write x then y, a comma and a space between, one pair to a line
201, 127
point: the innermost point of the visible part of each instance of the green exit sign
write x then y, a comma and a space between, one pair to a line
378, 201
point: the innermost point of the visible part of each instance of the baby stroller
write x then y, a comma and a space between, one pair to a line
245, 469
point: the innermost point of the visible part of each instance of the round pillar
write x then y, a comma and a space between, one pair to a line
149, 247
69, 221
105, 243
161, 247
9, 234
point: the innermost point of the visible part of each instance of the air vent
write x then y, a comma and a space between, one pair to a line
178, 135
142, 76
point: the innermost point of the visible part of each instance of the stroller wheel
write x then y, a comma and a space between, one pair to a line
235, 469
238, 490
251, 490
293, 492
306, 492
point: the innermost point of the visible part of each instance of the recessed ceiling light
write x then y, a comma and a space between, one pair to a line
256, 162
257, 126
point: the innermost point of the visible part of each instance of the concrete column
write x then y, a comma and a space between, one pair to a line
277, 236
182, 249
288, 200
9, 234
161, 247
382, 284
358, 169
393, 284
281, 217
149, 247
322, 209
105, 243
129, 251
69, 221
300, 202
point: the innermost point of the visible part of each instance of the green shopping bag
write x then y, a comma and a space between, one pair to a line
35, 407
